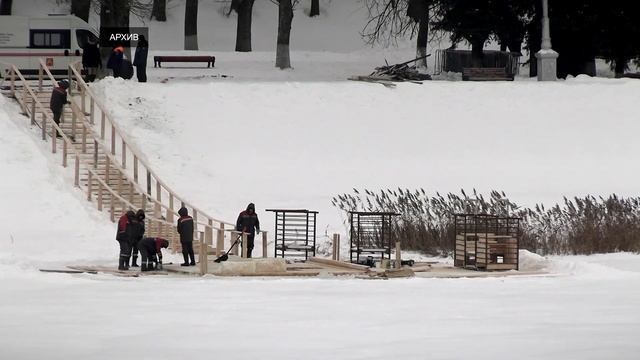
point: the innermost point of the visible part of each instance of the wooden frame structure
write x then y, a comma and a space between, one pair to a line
295, 234
370, 236
486, 242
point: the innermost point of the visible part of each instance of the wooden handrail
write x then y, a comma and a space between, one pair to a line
137, 154
68, 144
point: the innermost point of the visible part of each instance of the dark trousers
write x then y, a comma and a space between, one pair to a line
187, 251
57, 114
250, 243
134, 250
147, 259
125, 249
141, 73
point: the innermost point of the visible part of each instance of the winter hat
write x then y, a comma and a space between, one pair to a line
63, 83
131, 214
183, 211
140, 215
164, 243
251, 207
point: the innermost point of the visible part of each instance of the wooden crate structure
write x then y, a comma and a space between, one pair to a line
370, 236
295, 233
486, 242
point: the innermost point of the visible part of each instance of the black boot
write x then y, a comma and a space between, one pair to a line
193, 259
134, 262
121, 264
185, 256
145, 266
126, 263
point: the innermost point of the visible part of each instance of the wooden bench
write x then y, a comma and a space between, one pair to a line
158, 60
486, 74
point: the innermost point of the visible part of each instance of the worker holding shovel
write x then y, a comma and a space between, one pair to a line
248, 222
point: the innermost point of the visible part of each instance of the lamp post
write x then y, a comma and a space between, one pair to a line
547, 57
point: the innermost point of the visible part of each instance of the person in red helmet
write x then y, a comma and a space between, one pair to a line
115, 61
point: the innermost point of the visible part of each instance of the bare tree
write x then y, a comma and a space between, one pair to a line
244, 9
159, 11
315, 8
389, 20
191, 25
5, 7
80, 8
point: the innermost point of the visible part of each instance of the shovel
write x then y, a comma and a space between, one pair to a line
225, 256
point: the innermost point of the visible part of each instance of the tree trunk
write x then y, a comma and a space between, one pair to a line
159, 11
477, 53
191, 25
423, 39
620, 67
285, 16
113, 13
243, 33
5, 7
315, 8
80, 8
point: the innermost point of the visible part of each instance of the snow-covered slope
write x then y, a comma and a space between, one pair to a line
225, 143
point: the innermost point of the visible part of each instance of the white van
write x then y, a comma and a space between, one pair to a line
58, 39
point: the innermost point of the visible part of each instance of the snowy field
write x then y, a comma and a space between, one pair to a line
295, 139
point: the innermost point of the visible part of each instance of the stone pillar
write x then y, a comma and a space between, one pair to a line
547, 57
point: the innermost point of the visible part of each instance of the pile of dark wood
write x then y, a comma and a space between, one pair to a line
388, 74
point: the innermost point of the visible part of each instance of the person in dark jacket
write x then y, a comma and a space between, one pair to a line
135, 232
58, 100
248, 222
91, 60
122, 236
151, 253
140, 59
115, 61
185, 229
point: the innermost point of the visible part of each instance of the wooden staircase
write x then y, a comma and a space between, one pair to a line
107, 167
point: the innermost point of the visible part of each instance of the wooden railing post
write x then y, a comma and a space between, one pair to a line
159, 200
170, 211
70, 79
95, 154
102, 125
44, 126
195, 216
264, 244
124, 154
135, 168
220, 240
84, 139
112, 207
54, 138
89, 186
92, 107
100, 198
64, 154
113, 140
398, 256
82, 98
336, 247
74, 117
131, 193
148, 183
208, 233
77, 171
13, 82
107, 172
40, 75
203, 258
244, 244
33, 112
